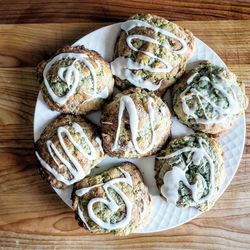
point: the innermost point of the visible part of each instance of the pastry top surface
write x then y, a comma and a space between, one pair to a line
209, 98
76, 80
115, 201
151, 53
68, 149
190, 171
136, 123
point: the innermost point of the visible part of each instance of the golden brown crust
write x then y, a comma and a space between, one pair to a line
214, 129
137, 193
213, 148
77, 103
50, 133
178, 62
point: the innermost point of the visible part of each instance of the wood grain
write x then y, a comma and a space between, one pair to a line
33, 217
30, 43
27, 11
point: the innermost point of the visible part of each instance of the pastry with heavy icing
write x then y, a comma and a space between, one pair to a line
190, 171
150, 53
209, 99
76, 80
115, 201
67, 150
135, 124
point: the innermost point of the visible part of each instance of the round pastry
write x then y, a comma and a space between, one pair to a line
67, 150
190, 171
209, 99
115, 201
136, 123
76, 80
151, 53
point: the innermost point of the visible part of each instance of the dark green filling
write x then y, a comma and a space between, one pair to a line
206, 110
60, 88
183, 160
159, 50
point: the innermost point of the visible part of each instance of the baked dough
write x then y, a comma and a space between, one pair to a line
67, 150
209, 99
151, 53
76, 80
115, 201
135, 124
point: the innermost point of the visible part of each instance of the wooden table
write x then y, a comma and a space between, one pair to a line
31, 214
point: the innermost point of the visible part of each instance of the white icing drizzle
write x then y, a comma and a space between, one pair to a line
110, 202
75, 168
71, 76
109, 123
172, 178
219, 114
80, 213
127, 103
191, 78
122, 67
99, 142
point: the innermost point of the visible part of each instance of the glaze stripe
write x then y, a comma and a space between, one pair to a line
71, 75
109, 202
73, 166
219, 114
173, 177
122, 67
126, 102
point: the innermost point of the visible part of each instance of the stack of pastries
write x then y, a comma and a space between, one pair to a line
150, 55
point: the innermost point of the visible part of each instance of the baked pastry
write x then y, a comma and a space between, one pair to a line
135, 124
209, 99
76, 80
115, 201
190, 171
150, 53
68, 149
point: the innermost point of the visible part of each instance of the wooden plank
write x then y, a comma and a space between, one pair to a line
27, 44
44, 11
33, 216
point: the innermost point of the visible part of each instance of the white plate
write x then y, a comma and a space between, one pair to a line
164, 216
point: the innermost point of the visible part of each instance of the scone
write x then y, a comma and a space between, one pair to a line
190, 171
68, 149
150, 53
209, 99
135, 124
76, 80
115, 201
